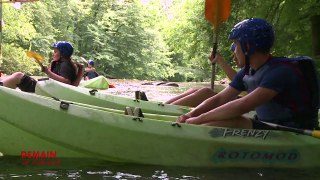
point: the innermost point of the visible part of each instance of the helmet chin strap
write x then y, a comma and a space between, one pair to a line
248, 51
247, 63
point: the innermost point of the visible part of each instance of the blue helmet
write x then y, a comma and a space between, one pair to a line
91, 62
258, 33
232, 47
65, 48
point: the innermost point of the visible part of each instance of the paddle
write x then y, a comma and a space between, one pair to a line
37, 57
83, 60
313, 133
216, 12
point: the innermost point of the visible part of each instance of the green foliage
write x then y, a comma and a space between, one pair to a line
190, 36
17, 33
14, 59
120, 39
294, 27
17, 27
152, 40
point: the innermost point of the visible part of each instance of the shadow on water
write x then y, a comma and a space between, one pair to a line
11, 167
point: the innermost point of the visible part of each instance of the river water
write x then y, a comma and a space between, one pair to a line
154, 92
12, 167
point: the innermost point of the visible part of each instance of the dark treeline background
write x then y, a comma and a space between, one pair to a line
145, 39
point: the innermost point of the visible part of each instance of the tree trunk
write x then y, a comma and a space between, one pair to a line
315, 25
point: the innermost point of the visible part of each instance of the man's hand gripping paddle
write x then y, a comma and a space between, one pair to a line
216, 12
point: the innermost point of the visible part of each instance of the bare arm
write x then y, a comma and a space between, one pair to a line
230, 72
54, 76
221, 98
90, 69
235, 108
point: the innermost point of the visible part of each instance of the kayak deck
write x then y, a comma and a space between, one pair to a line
52, 88
39, 123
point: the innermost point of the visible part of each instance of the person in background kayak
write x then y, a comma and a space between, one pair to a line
60, 69
275, 90
194, 96
90, 71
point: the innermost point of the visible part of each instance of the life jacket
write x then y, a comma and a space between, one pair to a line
309, 74
275, 111
92, 74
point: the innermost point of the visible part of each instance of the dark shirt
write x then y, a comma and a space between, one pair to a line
291, 98
92, 74
64, 69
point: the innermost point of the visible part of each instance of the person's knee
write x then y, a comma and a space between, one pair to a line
17, 76
27, 83
239, 122
12, 80
243, 122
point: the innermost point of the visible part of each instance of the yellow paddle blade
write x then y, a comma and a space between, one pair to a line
39, 59
217, 11
316, 134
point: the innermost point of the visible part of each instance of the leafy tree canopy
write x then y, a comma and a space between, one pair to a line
145, 39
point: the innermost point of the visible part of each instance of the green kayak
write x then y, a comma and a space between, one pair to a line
32, 125
99, 82
52, 88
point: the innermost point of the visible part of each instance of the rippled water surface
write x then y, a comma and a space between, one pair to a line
154, 91
13, 168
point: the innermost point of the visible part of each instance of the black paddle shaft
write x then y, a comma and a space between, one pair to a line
213, 67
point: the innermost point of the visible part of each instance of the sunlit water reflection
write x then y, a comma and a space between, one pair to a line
11, 168
154, 92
